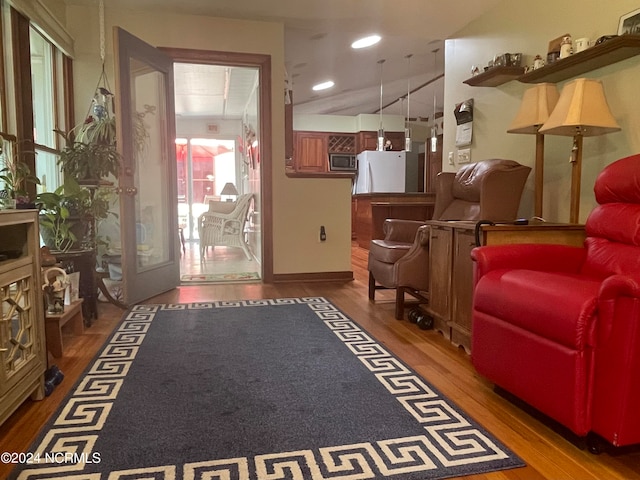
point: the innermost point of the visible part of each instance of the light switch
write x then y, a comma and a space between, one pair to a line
464, 155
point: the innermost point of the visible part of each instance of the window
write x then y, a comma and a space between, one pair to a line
45, 65
35, 89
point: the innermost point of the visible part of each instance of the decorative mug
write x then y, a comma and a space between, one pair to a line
582, 44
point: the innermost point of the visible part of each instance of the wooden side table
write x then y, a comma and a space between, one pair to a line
54, 322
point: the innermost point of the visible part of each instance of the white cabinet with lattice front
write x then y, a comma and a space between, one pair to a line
23, 356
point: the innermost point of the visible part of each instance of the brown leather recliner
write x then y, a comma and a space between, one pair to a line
487, 190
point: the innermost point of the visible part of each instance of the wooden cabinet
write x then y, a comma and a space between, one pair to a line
440, 258
451, 267
342, 143
368, 140
311, 152
23, 356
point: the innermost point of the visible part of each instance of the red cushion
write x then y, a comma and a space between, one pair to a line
618, 222
556, 306
605, 258
619, 182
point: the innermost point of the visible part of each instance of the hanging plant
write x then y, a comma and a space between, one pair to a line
88, 162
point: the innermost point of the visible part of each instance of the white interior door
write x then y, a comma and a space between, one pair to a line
147, 182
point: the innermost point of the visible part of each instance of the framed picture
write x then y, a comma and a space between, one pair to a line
630, 23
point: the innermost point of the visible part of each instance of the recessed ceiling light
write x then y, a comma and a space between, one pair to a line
366, 41
323, 85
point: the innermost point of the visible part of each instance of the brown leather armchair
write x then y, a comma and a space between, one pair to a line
487, 190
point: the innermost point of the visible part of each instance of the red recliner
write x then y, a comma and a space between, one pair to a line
559, 326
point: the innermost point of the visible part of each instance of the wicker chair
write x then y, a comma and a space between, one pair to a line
225, 229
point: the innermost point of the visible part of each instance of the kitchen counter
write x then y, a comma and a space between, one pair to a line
370, 210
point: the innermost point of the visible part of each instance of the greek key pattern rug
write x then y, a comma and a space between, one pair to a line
444, 442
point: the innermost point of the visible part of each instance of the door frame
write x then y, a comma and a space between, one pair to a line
263, 64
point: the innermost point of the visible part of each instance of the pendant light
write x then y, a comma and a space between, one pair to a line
407, 130
380, 129
434, 128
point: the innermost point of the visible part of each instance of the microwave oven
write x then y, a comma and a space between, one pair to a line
342, 162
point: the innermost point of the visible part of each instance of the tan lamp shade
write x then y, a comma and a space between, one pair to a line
537, 104
229, 189
582, 109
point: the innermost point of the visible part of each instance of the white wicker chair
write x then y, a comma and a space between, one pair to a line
225, 229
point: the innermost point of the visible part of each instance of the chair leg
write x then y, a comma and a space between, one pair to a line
399, 303
372, 287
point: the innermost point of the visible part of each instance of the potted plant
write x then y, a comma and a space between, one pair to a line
89, 162
15, 175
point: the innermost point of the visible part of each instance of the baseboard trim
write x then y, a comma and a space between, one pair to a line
313, 277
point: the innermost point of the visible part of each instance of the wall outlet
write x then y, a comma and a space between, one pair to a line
323, 234
464, 155
450, 158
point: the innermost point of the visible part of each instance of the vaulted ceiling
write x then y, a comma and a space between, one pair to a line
318, 35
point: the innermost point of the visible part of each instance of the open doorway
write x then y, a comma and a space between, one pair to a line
218, 172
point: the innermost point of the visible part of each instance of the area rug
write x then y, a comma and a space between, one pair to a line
266, 389
220, 277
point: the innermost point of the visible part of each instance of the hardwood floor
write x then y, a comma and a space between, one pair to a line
548, 455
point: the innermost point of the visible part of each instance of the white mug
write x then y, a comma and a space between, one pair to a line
582, 44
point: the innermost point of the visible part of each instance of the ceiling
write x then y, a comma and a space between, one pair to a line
318, 35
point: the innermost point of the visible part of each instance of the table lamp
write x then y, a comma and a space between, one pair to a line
229, 190
537, 104
581, 111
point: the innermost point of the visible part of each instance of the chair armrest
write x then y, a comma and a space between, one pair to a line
412, 270
541, 257
397, 230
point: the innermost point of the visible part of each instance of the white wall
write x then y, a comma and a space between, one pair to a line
528, 28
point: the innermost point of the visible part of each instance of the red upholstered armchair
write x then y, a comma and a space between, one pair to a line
559, 326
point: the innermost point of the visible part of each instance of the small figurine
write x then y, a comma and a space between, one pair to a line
566, 47
538, 62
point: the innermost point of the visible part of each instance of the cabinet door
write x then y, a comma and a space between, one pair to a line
462, 288
367, 141
440, 246
311, 152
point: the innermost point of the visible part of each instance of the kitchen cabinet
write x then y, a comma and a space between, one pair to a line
451, 267
342, 143
23, 353
368, 140
311, 152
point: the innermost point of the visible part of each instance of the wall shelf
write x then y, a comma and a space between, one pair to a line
607, 53
495, 76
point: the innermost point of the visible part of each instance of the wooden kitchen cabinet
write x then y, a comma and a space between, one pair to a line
368, 140
311, 152
451, 267
23, 354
